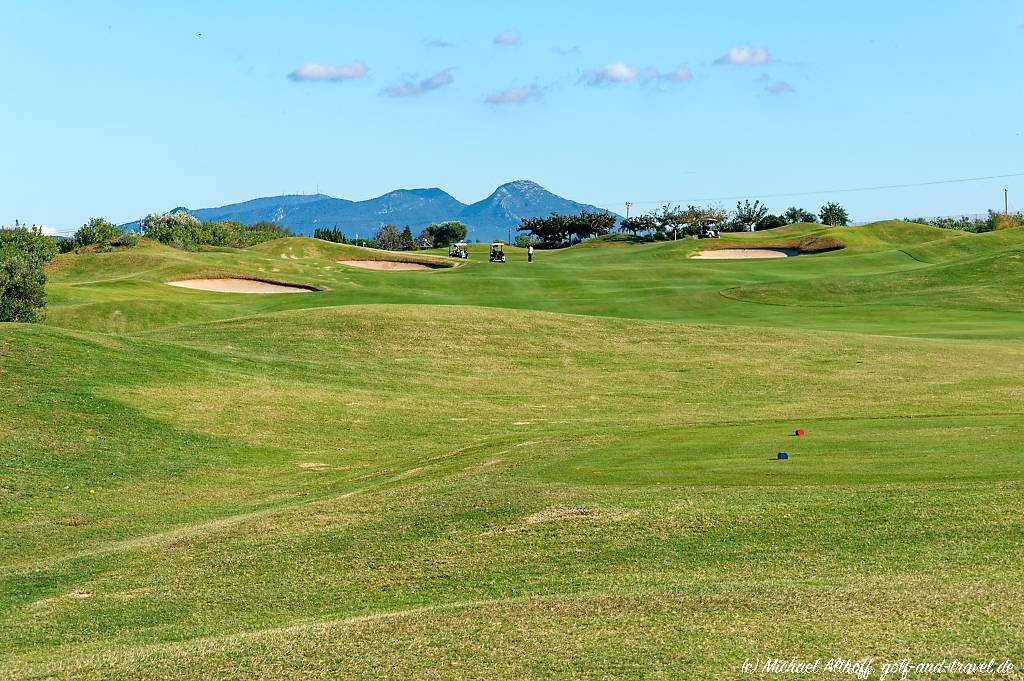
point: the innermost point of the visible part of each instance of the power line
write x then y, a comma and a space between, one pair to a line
823, 191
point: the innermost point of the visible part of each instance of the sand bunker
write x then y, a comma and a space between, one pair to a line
391, 265
745, 253
226, 285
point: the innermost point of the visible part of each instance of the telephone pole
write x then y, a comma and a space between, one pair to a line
1006, 201
629, 204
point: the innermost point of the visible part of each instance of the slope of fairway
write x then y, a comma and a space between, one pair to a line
656, 281
564, 468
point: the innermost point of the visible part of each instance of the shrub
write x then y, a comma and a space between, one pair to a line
127, 240
22, 289
30, 244
1005, 220
771, 222
183, 230
97, 231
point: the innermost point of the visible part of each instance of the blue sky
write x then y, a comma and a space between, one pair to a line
124, 108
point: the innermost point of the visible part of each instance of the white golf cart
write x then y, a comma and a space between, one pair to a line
497, 252
459, 250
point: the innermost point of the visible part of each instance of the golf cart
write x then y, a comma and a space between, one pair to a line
458, 251
497, 252
707, 232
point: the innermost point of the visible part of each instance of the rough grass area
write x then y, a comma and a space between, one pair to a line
558, 469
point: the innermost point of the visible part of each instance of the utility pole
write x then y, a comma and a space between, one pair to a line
629, 204
1006, 201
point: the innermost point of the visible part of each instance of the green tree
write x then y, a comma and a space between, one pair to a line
388, 238
749, 214
794, 214
446, 233
329, 234
639, 224
833, 214
588, 224
549, 232
408, 243
22, 289
669, 219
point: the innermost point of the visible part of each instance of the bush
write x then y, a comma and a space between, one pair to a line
127, 240
183, 230
30, 244
22, 289
961, 224
771, 222
1005, 220
97, 231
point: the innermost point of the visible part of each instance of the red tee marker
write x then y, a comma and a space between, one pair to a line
799, 432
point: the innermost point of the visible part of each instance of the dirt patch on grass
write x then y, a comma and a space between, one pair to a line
232, 285
390, 265
313, 466
545, 516
557, 514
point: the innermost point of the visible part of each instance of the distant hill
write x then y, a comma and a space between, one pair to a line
490, 218
513, 201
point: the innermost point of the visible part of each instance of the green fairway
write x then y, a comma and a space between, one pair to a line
563, 468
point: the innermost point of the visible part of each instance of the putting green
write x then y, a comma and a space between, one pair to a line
565, 468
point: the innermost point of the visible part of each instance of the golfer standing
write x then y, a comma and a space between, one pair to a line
529, 253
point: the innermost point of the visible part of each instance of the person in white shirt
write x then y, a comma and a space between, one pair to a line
529, 253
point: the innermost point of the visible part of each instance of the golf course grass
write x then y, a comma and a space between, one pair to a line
564, 468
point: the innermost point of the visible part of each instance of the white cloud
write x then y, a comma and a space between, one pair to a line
508, 38
680, 74
434, 42
516, 95
741, 55
617, 72
621, 72
778, 87
414, 88
329, 72
567, 51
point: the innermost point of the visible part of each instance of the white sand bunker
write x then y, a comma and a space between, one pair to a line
745, 253
228, 285
391, 265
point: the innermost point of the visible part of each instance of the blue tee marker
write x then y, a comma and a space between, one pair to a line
783, 455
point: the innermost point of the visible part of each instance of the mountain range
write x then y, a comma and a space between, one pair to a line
491, 218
